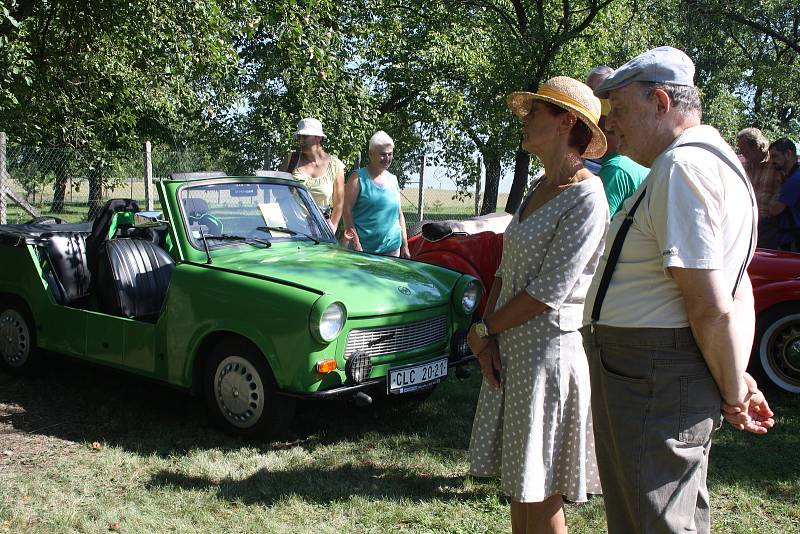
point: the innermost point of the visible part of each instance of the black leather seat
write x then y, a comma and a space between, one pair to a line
102, 225
69, 275
132, 278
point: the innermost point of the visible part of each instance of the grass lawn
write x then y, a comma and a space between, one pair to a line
158, 467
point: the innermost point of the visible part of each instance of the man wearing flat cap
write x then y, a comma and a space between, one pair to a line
669, 316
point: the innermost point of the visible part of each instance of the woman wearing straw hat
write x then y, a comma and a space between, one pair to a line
533, 424
322, 173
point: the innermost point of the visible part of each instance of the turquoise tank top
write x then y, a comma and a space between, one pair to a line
376, 214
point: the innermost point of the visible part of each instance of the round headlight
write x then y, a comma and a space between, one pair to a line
331, 322
470, 297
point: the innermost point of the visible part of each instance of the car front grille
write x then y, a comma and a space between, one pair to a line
392, 339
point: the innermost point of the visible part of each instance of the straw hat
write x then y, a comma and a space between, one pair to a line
569, 94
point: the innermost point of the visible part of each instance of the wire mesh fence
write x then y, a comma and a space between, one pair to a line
73, 185
441, 198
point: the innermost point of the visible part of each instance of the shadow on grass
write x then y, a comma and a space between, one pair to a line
764, 464
78, 402
323, 485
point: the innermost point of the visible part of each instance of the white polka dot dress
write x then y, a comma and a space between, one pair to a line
536, 432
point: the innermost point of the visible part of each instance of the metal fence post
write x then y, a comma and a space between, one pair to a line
3, 204
421, 200
148, 175
478, 188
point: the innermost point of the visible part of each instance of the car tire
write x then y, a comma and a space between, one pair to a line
241, 394
18, 351
777, 346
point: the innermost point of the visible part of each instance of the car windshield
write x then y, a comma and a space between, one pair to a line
253, 212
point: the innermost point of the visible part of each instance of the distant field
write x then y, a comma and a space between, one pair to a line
438, 204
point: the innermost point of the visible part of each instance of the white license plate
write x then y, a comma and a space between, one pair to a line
416, 376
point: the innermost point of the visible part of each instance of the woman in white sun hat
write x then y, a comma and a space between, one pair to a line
533, 424
322, 173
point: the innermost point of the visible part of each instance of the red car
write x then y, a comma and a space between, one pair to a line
475, 246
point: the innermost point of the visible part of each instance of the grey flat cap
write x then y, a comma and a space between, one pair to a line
663, 64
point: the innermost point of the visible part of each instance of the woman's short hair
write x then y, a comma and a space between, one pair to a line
380, 139
580, 135
754, 138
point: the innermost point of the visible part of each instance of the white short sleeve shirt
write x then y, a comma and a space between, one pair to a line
696, 213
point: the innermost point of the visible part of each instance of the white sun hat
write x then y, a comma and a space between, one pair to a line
309, 126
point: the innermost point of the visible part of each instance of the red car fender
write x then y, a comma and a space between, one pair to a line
477, 255
768, 295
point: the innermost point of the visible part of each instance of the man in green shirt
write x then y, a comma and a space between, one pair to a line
620, 175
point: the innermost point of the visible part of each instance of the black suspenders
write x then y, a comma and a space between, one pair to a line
616, 247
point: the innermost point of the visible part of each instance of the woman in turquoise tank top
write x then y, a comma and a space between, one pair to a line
372, 216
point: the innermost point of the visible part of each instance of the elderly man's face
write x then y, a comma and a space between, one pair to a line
631, 119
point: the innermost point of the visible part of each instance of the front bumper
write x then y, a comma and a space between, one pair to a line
369, 385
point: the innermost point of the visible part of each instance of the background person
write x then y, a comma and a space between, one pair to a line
322, 173
670, 339
620, 175
373, 218
766, 181
786, 209
533, 422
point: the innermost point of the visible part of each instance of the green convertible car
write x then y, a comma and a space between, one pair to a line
237, 292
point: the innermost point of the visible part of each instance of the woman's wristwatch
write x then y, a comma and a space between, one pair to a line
482, 329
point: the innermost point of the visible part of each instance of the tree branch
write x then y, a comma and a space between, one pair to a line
755, 25
522, 16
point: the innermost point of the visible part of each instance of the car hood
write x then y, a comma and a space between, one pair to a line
367, 284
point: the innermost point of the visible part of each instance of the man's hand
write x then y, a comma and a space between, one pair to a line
404, 252
753, 414
489, 359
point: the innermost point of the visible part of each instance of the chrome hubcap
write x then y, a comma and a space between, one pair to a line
239, 391
15, 339
784, 353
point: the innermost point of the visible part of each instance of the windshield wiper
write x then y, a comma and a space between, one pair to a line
230, 237
269, 229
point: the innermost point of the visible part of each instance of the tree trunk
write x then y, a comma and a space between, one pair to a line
493, 169
59, 188
95, 194
522, 165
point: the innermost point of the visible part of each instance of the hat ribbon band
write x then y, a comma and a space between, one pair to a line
555, 95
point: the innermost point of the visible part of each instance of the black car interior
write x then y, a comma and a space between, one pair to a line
126, 273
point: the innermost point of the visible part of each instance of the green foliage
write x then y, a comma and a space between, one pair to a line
228, 79
100, 75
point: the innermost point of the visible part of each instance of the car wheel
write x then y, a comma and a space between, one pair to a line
18, 351
778, 344
241, 394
